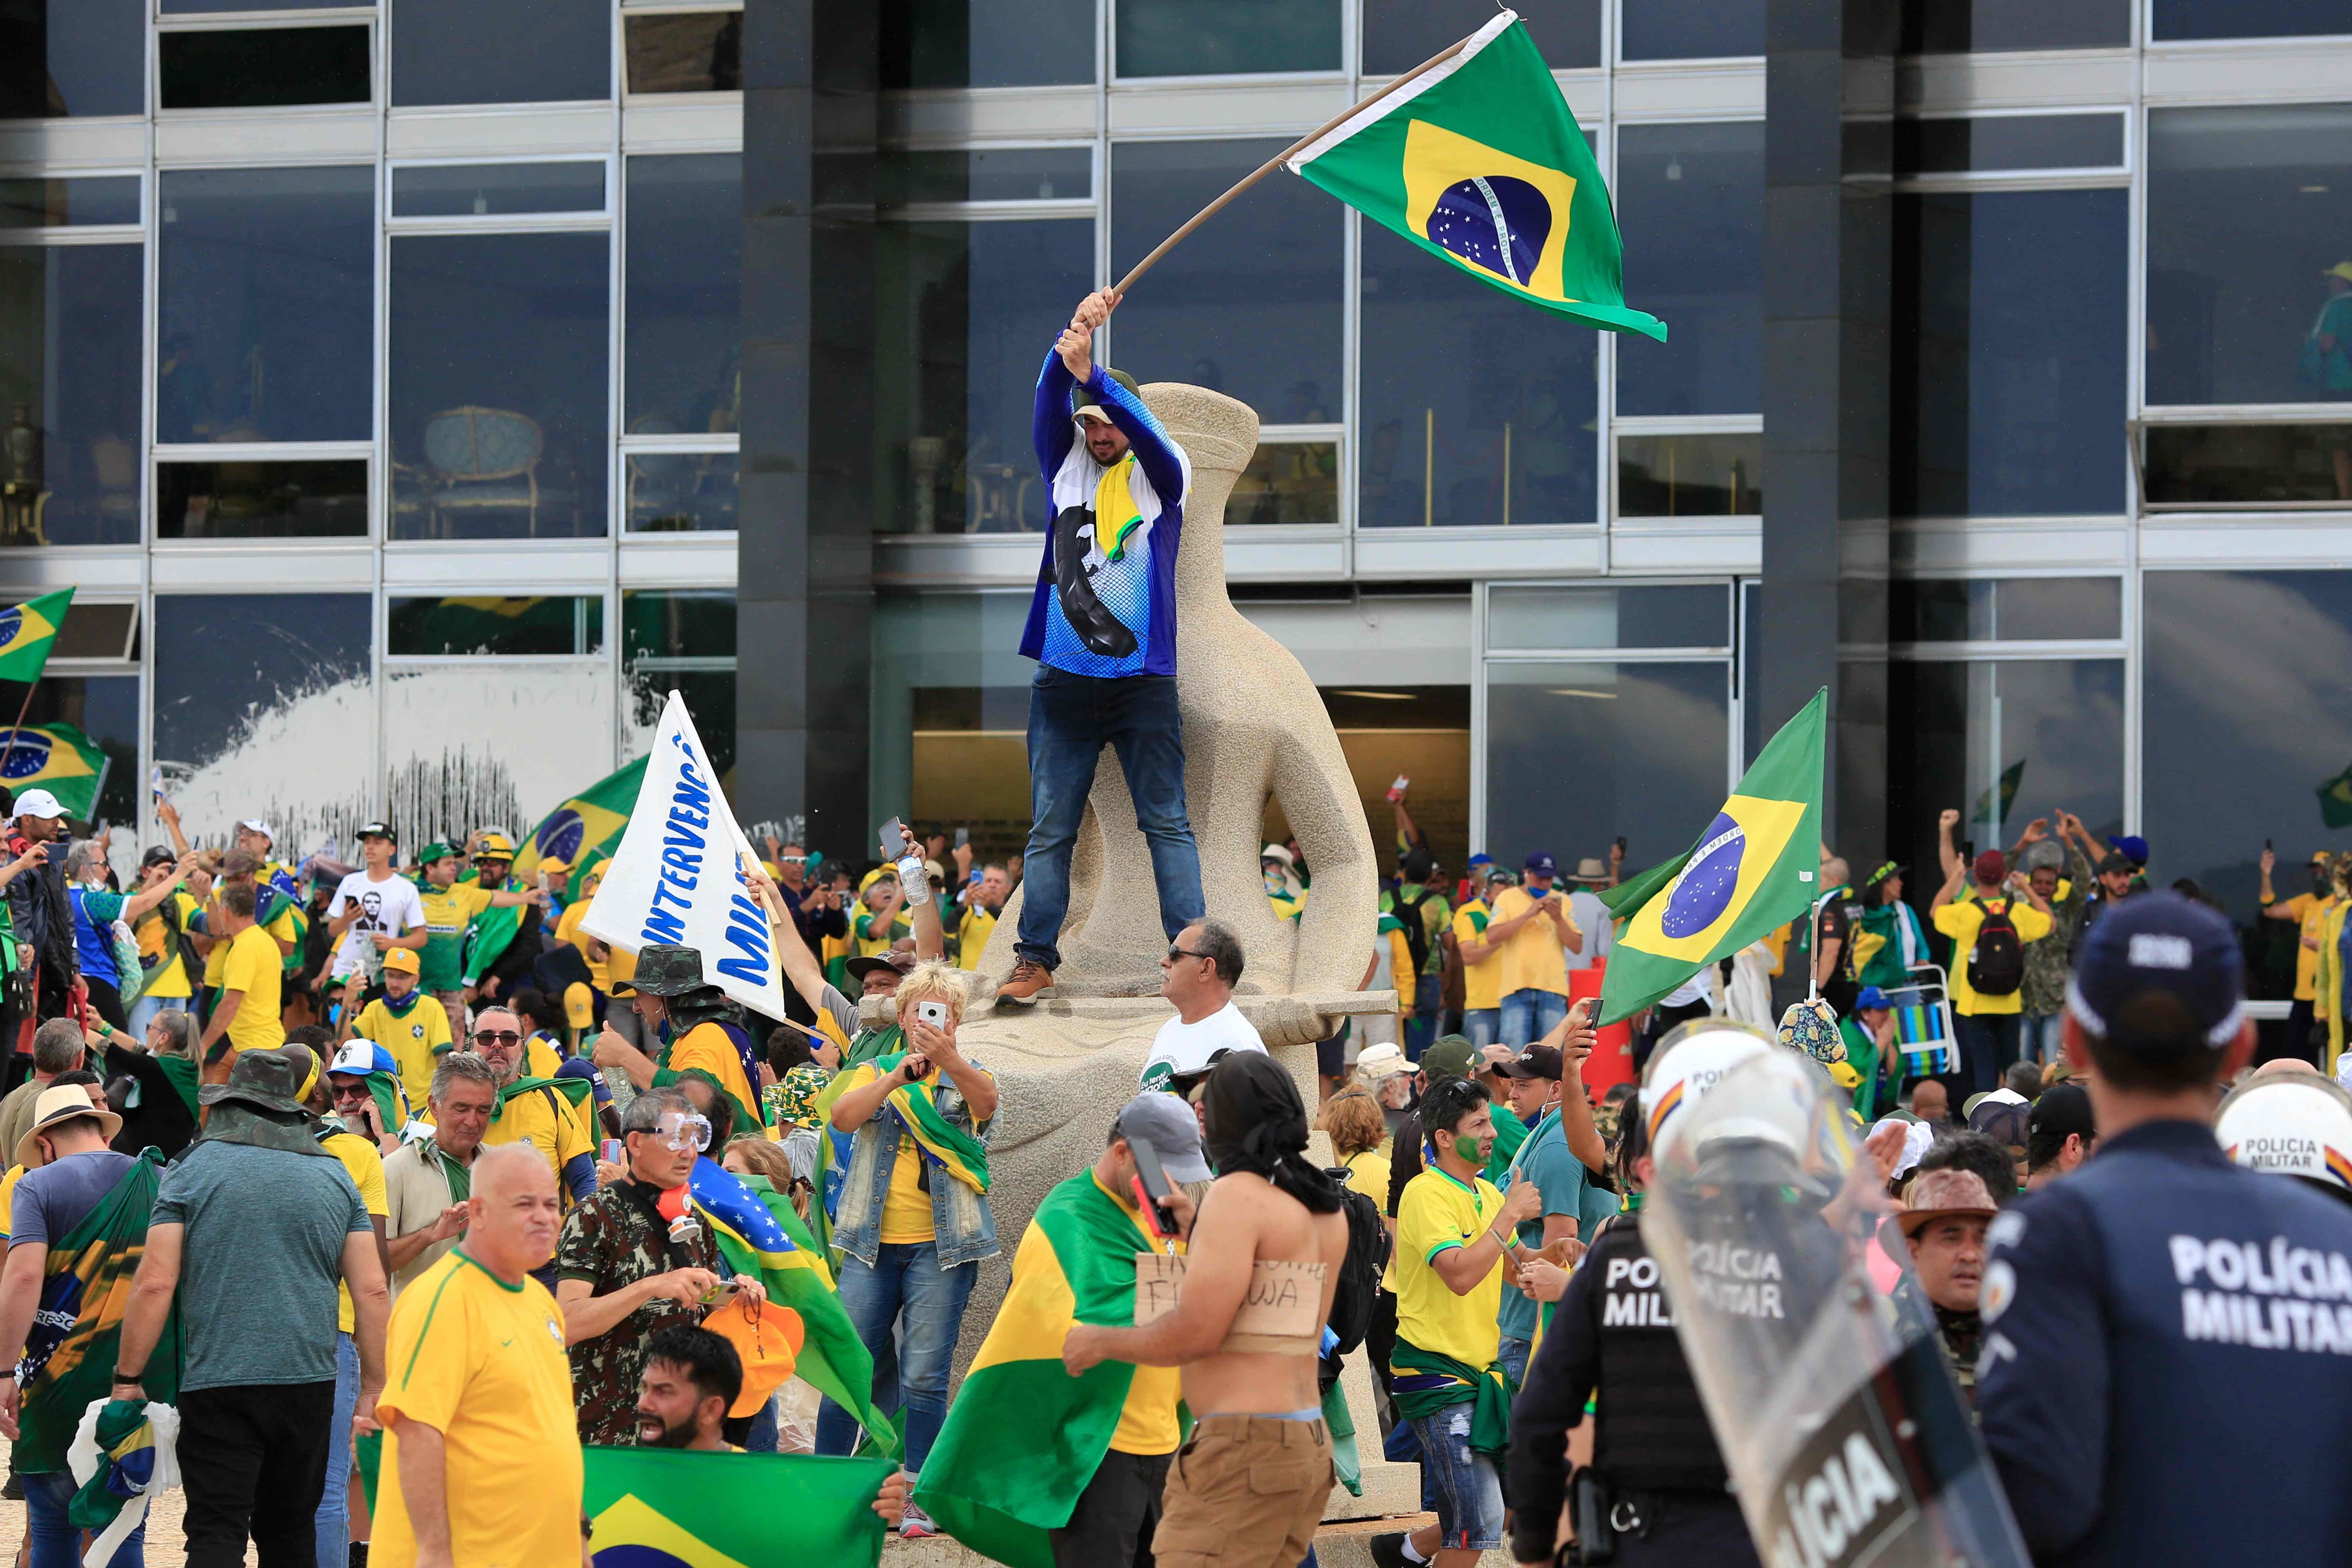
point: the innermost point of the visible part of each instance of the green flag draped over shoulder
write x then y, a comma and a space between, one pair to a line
27, 631
1477, 160
667, 1506
1755, 867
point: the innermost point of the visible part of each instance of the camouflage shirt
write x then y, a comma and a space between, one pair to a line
612, 1241
1962, 1334
2049, 961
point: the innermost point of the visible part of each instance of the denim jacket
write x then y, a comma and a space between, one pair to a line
965, 1225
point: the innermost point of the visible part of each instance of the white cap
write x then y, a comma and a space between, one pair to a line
1277, 852
39, 803
1380, 1061
355, 1057
1682, 1071
2296, 1123
254, 824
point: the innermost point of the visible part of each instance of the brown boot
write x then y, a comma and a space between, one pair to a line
1029, 980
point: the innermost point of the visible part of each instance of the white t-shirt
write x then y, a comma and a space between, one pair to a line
390, 906
1593, 918
1181, 1049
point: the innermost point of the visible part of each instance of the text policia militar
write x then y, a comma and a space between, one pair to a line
2309, 1294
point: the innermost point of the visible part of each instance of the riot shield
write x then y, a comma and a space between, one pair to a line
1844, 1431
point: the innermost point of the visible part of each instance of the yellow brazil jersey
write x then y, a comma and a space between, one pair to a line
543, 1119
871, 938
415, 1039
973, 932
366, 1166
707, 1049
279, 930
907, 1213
1962, 920
447, 911
1482, 983
483, 1362
602, 971
2310, 924
1147, 1422
1437, 1212
253, 966
173, 979
1533, 959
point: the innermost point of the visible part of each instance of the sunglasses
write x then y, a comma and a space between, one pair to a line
495, 1037
1175, 952
792, 860
351, 1091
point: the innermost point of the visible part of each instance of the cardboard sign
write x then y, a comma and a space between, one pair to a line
1281, 1314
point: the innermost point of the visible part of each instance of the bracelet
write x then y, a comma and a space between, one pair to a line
135, 1382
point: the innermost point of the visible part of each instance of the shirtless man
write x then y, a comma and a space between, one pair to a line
1250, 1484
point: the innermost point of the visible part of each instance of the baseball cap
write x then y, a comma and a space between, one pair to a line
1536, 1061
439, 849
1277, 852
402, 959
1501, 875
2132, 846
158, 855
1450, 1055
2161, 942
897, 960
2296, 1123
1870, 997
362, 1056
2116, 860
1992, 866
579, 1005
1171, 1128
377, 830
254, 824
1382, 1061
1891, 868
1082, 410
1541, 865
39, 803
1691, 1060
2060, 1108
1481, 859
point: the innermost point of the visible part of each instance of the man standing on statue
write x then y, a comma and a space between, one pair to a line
1103, 630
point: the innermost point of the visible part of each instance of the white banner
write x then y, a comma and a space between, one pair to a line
673, 878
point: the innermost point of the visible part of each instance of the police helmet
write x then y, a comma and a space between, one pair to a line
1691, 1060
2296, 1123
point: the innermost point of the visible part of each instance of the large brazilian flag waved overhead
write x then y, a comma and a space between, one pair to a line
57, 758
1756, 868
1478, 161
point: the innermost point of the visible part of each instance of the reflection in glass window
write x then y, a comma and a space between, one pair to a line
986, 174
499, 350
987, 43
1288, 483
682, 641
2002, 406
74, 58
1995, 141
1219, 38
263, 67
266, 326
97, 629
1693, 196
1577, 753
2005, 609
1714, 474
479, 190
1983, 27
1692, 29
1545, 618
1400, 33
1503, 435
696, 51
103, 707
310, 499
1249, 304
2178, 21
2244, 716
965, 315
69, 203
2247, 465
680, 492
69, 394
2245, 218
501, 51
494, 627
685, 271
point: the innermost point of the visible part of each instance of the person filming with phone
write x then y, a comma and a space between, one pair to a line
913, 1221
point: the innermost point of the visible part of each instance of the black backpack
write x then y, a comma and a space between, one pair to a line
1997, 962
1416, 930
1356, 1296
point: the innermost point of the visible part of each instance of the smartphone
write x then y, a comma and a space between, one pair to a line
933, 1013
918, 1066
1152, 1188
962, 837
894, 842
615, 1152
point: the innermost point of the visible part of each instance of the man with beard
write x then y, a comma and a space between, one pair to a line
533, 1110
694, 1027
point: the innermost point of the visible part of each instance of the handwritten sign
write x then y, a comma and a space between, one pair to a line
1281, 1314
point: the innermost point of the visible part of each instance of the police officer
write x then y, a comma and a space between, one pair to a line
1657, 1483
2288, 1118
2169, 1337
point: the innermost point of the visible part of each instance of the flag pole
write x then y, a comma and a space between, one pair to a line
1268, 167
18, 727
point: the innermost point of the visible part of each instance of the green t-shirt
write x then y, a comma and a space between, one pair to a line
1509, 1133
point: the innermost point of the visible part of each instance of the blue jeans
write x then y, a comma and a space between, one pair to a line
1988, 1046
332, 1533
1428, 1009
1483, 1025
1469, 1491
1529, 1015
1071, 719
1511, 1354
906, 1292
56, 1542
2038, 1035
147, 1009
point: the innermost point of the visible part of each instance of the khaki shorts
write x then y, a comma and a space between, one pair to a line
1244, 1492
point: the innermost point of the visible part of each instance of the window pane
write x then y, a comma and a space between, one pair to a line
987, 43
69, 204
2191, 465
701, 51
72, 58
1577, 753
264, 68
1400, 33
2245, 718
105, 708
1438, 423
1248, 305
1288, 483
963, 314
498, 365
681, 492
1960, 26
1690, 476
69, 394
1607, 617
246, 681
2004, 406
2177, 20
262, 500
98, 631
682, 641
2009, 142
1217, 38
685, 270
1692, 29
1693, 197
494, 627
2007, 609
266, 328
2245, 213
989, 175
457, 190
501, 51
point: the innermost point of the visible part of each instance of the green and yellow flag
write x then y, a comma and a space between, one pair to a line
1756, 868
2336, 800
26, 633
667, 1508
584, 829
1477, 160
1023, 1437
57, 758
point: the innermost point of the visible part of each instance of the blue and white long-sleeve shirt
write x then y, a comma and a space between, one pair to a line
1106, 599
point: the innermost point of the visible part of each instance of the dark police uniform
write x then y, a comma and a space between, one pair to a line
2167, 1371
1614, 1333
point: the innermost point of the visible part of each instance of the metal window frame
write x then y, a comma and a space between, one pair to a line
388, 659
267, 21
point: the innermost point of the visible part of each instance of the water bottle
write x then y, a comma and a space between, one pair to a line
913, 882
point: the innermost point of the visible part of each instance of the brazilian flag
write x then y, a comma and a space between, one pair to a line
27, 632
584, 829
57, 758
1756, 868
1477, 160
2336, 800
668, 1508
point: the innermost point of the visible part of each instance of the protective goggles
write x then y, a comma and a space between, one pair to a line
678, 1132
